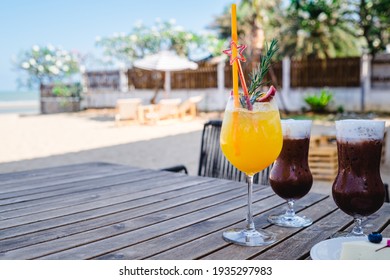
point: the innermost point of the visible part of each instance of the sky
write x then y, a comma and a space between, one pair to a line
74, 24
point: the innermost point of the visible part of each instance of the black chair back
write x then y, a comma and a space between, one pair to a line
214, 164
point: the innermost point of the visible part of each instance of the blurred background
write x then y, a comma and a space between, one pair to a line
337, 44
65, 66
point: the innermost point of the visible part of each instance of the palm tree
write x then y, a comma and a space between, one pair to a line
318, 29
257, 21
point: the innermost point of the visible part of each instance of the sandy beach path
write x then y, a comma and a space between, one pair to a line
38, 141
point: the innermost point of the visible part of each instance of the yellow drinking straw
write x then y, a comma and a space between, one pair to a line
234, 54
235, 81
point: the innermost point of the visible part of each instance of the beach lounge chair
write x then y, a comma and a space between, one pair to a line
127, 109
188, 108
212, 162
164, 109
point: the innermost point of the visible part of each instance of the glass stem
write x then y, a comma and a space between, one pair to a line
250, 225
357, 229
290, 211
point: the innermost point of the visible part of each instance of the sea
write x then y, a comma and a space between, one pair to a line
19, 102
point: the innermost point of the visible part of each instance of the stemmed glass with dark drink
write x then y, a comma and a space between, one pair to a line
358, 188
290, 176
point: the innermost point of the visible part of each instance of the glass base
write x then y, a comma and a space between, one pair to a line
290, 221
346, 234
248, 237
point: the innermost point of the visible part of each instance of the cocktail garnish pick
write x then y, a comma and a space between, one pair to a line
387, 245
237, 59
240, 49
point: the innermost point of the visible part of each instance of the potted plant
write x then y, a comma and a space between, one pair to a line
51, 69
318, 103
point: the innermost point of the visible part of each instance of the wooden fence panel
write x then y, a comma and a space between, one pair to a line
380, 71
203, 77
336, 72
103, 79
273, 77
143, 79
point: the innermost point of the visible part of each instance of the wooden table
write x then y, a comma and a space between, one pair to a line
106, 211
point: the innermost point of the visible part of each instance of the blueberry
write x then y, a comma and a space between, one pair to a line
375, 237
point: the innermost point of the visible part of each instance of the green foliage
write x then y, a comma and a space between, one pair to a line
258, 75
257, 22
48, 64
67, 90
319, 102
373, 23
318, 29
311, 29
143, 40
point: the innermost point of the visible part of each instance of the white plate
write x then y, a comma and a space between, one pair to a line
330, 249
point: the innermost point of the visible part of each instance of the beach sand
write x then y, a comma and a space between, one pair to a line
40, 141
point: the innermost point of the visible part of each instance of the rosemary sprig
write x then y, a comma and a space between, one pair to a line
259, 74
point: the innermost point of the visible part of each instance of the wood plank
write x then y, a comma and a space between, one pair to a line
136, 223
89, 186
299, 246
327, 165
376, 221
50, 219
26, 175
323, 170
74, 187
194, 238
147, 214
141, 233
70, 192
324, 177
143, 206
91, 191
386, 230
13, 189
316, 211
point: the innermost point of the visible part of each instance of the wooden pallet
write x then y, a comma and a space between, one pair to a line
383, 156
323, 162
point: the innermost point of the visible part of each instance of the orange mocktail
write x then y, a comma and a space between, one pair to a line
252, 140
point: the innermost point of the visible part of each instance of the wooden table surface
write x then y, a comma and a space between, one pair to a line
106, 211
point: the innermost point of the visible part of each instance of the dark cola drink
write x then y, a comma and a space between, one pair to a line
290, 176
358, 188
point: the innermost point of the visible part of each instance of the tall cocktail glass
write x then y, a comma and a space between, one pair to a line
251, 140
290, 176
358, 188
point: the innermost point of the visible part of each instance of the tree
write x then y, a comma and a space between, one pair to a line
143, 40
47, 64
257, 22
318, 29
372, 21
163, 35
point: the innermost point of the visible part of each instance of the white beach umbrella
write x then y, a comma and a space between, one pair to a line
166, 61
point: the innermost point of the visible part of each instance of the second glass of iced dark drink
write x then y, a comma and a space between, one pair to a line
290, 176
358, 188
